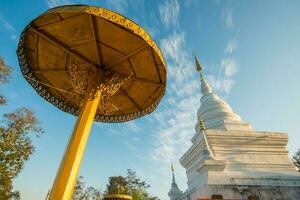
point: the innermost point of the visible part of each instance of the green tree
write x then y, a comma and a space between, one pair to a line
82, 193
117, 185
296, 160
92, 194
146, 196
79, 189
129, 185
136, 187
5, 76
15, 142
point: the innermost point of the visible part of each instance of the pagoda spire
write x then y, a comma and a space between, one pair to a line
199, 68
205, 87
173, 174
214, 112
174, 191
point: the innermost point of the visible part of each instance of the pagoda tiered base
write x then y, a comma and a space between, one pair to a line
243, 165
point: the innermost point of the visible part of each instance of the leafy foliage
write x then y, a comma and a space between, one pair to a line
5, 75
296, 160
82, 193
5, 72
15, 146
146, 196
129, 185
117, 185
2, 100
15, 143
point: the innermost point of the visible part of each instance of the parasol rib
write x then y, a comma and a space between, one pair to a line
36, 52
70, 97
132, 100
99, 53
156, 67
127, 56
152, 94
60, 17
146, 81
45, 84
132, 66
130, 61
110, 47
62, 45
49, 83
62, 20
48, 71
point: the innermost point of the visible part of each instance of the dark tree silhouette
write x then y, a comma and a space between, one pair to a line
296, 160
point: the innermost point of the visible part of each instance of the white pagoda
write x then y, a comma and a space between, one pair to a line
230, 160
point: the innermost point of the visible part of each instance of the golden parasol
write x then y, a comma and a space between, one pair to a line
95, 64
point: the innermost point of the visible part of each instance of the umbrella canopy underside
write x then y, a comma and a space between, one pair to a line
69, 41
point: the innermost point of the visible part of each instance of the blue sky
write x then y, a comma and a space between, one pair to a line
249, 51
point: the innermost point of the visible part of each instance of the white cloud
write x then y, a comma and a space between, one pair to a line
130, 146
169, 12
228, 19
133, 127
188, 89
136, 139
9, 27
13, 37
217, 2
221, 85
55, 3
181, 68
190, 3
172, 47
229, 65
232, 45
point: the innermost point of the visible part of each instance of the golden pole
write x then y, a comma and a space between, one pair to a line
67, 174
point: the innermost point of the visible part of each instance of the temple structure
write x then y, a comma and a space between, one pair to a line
228, 159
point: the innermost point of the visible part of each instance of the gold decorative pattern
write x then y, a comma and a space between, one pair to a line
108, 89
80, 78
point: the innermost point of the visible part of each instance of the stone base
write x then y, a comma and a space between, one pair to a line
245, 192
